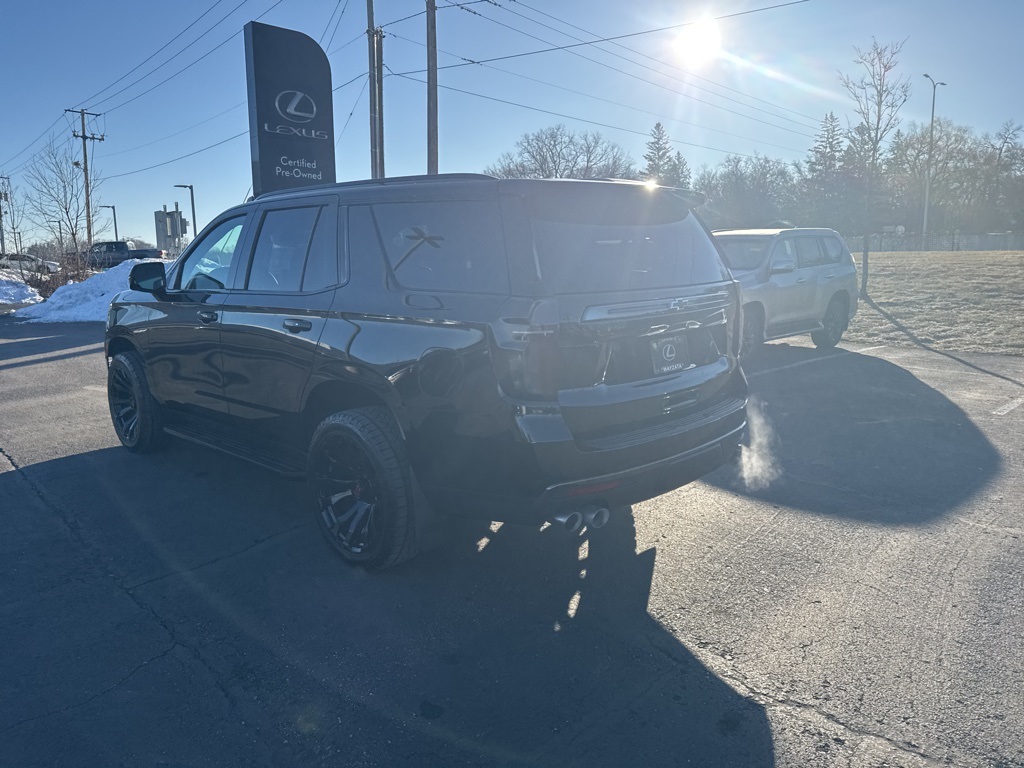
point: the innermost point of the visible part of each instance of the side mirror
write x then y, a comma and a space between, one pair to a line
148, 277
783, 265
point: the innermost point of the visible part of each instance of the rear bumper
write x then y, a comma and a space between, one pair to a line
613, 480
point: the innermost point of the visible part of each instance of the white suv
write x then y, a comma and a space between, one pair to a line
792, 281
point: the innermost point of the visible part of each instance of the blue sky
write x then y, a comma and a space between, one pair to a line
767, 95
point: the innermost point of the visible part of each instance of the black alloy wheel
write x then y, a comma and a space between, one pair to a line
359, 478
133, 411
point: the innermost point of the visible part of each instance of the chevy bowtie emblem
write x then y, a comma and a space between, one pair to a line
295, 106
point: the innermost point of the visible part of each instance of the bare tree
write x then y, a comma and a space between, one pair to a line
878, 95
58, 193
558, 153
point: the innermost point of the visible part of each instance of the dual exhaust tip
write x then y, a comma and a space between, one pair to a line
592, 517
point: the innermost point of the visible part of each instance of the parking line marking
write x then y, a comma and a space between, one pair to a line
869, 349
755, 374
1005, 409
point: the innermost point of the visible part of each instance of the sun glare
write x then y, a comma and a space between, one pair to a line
700, 43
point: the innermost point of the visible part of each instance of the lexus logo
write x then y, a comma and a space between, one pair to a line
295, 106
669, 352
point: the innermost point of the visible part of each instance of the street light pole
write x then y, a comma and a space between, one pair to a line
60, 230
114, 209
192, 199
928, 170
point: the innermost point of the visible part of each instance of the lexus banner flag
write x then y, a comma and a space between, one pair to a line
291, 109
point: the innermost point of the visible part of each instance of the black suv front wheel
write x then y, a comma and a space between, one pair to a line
133, 411
360, 480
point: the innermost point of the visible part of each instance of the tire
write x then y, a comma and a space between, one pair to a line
361, 485
753, 331
133, 411
833, 325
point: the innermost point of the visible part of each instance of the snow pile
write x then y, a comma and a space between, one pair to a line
14, 291
81, 302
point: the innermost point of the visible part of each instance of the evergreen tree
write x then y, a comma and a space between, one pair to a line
658, 156
681, 176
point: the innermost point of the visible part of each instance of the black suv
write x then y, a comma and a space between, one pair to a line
520, 350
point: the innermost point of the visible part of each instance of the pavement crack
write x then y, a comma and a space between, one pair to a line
124, 679
220, 559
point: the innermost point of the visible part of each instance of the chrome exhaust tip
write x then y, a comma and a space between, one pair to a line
571, 521
596, 518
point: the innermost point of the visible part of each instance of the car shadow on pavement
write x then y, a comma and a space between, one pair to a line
508, 645
844, 434
20, 339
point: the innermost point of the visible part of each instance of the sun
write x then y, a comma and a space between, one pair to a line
699, 43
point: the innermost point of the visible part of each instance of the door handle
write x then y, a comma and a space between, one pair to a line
294, 326
801, 279
829, 277
206, 317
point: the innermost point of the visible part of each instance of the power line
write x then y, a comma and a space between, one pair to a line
194, 62
337, 24
217, 144
176, 133
355, 104
644, 55
176, 159
649, 68
643, 32
602, 99
37, 138
165, 63
327, 26
152, 55
468, 62
563, 115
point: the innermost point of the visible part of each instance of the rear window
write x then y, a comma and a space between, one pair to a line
452, 245
612, 238
742, 253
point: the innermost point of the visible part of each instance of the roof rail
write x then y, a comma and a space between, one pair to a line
386, 180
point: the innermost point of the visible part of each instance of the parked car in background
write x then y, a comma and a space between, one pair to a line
519, 350
793, 282
113, 252
22, 262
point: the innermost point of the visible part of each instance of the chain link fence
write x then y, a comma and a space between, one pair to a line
939, 241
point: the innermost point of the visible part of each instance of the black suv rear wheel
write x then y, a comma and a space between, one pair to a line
360, 480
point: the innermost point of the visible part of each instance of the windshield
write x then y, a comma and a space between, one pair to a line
742, 253
619, 238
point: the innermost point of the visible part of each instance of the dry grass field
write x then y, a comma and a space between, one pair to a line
958, 301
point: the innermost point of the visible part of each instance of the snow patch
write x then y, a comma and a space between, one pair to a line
14, 291
86, 301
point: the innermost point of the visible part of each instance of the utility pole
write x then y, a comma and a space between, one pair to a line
85, 167
4, 198
379, 46
431, 87
371, 44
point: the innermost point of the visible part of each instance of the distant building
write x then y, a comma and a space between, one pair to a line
171, 229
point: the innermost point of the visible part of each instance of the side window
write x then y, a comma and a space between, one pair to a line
833, 250
325, 253
281, 247
455, 245
783, 250
808, 254
209, 263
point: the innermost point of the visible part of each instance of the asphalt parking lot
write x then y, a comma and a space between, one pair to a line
860, 609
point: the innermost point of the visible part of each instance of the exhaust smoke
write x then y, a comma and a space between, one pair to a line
758, 465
